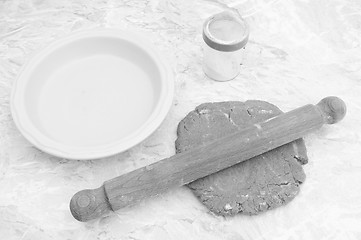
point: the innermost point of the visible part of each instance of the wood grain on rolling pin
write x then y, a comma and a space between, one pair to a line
180, 169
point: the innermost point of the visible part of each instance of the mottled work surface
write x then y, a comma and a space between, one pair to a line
298, 53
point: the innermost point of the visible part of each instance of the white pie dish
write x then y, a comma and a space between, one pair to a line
92, 94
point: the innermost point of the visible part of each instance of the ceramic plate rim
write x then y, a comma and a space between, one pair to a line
48, 145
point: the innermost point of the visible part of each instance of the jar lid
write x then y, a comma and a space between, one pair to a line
225, 32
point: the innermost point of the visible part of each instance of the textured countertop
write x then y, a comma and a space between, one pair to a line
298, 53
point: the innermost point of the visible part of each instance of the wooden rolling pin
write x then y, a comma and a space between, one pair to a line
183, 168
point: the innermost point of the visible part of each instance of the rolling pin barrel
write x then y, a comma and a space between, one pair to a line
183, 168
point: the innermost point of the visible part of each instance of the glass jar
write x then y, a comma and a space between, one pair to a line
225, 36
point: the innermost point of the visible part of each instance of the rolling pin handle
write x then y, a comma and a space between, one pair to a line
333, 109
89, 204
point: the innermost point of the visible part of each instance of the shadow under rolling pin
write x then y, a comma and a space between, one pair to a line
183, 168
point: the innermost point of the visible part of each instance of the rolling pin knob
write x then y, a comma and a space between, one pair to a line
89, 204
333, 109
